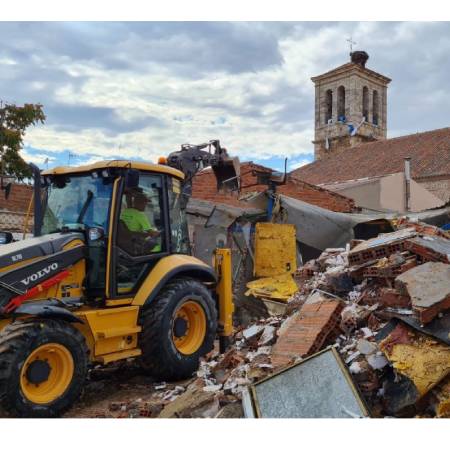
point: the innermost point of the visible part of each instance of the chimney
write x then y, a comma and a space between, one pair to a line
407, 184
359, 57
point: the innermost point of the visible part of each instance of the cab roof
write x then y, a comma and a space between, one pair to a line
161, 168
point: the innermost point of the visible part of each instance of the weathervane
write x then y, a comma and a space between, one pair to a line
351, 42
69, 157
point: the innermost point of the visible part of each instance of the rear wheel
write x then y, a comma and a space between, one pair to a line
178, 327
43, 366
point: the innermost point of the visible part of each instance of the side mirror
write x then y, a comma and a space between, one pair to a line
132, 179
95, 233
5, 237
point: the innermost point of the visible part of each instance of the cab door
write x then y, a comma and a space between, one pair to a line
140, 237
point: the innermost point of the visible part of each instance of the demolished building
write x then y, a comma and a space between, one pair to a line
356, 334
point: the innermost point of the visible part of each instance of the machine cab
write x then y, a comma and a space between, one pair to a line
130, 214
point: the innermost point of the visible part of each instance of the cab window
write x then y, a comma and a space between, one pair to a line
140, 232
141, 221
179, 235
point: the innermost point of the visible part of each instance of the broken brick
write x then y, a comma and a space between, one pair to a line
380, 247
307, 331
392, 298
434, 248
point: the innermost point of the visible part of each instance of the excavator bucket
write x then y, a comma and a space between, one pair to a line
227, 172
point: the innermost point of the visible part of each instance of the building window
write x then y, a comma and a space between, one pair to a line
376, 107
328, 105
365, 103
341, 104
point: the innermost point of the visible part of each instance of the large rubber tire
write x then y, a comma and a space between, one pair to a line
17, 343
160, 356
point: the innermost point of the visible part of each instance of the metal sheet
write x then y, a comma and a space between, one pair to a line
247, 405
275, 249
206, 240
320, 228
317, 387
205, 208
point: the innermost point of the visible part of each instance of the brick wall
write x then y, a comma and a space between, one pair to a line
18, 199
204, 188
439, 187
14, 210
15, 221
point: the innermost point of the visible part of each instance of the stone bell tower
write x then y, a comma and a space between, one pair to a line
350, 106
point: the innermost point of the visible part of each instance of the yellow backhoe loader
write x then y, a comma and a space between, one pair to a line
107, 276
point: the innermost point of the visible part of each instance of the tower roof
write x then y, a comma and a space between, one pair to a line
352, 67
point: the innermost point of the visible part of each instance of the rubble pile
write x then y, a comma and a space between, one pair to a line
382, 303
397, 281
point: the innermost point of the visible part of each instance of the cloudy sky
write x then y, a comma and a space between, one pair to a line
139, 90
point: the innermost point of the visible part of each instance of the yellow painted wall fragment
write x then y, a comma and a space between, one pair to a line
423, 360
275, 249
281, 287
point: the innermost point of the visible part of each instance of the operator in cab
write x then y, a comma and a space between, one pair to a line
137, 221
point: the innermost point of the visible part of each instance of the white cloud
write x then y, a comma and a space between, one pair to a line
298, 164
184, 85
36, 158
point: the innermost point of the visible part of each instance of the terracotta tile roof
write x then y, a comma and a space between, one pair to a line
429, 152
204, 188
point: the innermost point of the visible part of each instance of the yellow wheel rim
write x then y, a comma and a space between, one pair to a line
189, 327
46, 373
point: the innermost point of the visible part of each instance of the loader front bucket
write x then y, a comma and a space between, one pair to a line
227, 172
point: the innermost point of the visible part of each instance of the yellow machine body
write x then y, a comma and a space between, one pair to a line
224, 289
108, 276
111, 330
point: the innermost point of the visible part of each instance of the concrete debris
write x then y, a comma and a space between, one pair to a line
230, 411
377, 361
428, 286
268, 337
193, 403
253, 332
366, 347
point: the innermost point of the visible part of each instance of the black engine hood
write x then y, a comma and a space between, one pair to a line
37, 247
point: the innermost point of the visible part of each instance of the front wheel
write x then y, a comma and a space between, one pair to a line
178, 327
43, 366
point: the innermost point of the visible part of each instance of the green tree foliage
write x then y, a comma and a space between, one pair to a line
14, 120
